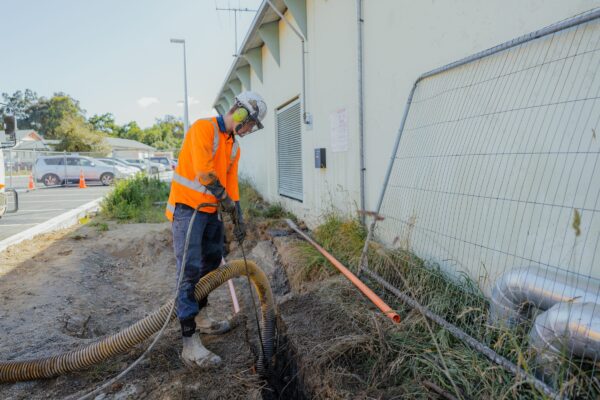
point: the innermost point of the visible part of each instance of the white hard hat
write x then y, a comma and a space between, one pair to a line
255, 104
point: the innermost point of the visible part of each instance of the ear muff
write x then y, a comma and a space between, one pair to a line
240, 115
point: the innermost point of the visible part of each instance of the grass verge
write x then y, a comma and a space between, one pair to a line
343, 238
254, 206
417, 358
139, 199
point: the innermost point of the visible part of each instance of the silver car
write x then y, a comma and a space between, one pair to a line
52, 171
166, 161
146, 164
129, 169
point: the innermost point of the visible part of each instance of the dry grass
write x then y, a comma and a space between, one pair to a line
352, 351
416, 357
459, 301
342, 238
254, 206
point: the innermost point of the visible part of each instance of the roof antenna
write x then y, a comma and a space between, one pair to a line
235, 11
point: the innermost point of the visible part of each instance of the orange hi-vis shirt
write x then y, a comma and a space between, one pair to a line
206, 154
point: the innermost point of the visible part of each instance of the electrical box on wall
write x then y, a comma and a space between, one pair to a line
320, 159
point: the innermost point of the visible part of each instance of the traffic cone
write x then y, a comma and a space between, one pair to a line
82, 184
31, 184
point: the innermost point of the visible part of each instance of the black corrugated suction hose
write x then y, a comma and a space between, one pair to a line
94, 353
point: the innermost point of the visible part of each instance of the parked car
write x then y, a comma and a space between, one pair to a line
52, 171
146, 164
166, 161
128, 168
127, 171
138, 167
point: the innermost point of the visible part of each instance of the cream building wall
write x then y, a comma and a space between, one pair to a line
331, 86
402, 40
281, 84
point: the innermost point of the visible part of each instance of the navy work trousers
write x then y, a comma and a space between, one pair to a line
204, 254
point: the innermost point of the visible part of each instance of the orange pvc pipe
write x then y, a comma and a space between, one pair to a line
387, 310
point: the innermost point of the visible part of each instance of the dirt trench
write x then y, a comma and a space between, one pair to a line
66, 289
63, 290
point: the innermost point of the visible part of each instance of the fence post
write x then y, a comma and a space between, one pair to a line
10, 162
66, 180
33, 162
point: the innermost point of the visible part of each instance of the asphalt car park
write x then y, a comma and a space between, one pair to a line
40, 205
43, 203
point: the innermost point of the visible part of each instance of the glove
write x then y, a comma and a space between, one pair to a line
227, 205
239, 231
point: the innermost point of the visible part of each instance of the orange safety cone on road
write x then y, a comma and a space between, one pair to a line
82, 184
31, 184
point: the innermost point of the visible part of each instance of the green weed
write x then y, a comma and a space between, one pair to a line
417, 354
100, 226
139, 199
254, 206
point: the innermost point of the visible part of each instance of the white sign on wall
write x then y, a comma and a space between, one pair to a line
339, 130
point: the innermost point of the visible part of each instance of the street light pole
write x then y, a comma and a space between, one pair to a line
186, 122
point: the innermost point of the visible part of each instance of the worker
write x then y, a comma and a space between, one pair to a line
207, 173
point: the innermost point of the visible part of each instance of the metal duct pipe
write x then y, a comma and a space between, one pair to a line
572, 328
520, 288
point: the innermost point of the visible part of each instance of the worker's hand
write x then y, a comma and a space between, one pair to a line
239, 231
227, 205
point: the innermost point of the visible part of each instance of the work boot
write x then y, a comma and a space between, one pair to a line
208, 326
194, 354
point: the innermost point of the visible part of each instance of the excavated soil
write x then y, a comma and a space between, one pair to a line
63, 290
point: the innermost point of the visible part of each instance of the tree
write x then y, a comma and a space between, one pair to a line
132, 131
60, 107
152, 135
61, 117
77, 135
46, 115
171, 124
105, 123
18, 103
165, 134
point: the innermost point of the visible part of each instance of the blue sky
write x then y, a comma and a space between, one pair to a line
115, 56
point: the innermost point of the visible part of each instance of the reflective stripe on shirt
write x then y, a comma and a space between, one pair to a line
171, 208
216, 139
234, 151
190, 184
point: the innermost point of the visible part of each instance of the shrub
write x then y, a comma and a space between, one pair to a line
139, 199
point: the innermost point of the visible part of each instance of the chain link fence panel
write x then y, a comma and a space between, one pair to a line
490, 215
47, 169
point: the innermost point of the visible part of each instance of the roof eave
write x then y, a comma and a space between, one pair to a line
250, 35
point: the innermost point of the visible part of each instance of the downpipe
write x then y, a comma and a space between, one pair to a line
306, 118
94, 353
